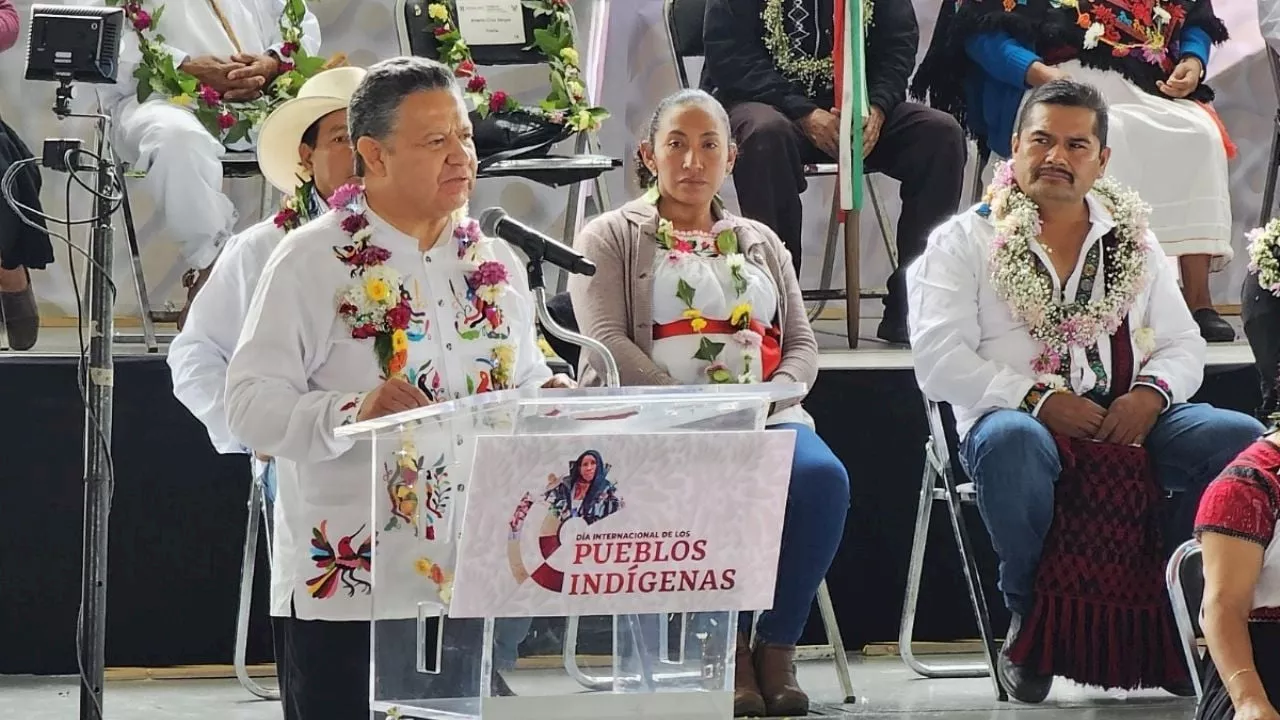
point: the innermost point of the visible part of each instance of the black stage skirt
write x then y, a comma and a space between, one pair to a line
1216, 703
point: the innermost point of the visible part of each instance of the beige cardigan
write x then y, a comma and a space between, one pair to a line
615, 306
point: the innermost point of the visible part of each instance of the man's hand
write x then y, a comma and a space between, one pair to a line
263, 457
389, 398
1039, 74
1131, 416
214, 72
871, 130
255, 73
823, 130
1069, 414
1184, 79
560, 380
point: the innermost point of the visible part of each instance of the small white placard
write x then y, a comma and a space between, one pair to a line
491, 22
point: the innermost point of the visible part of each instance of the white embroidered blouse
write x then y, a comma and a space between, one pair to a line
298, 373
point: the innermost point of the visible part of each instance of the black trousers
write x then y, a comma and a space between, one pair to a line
326, 666
1261, 313
922, 148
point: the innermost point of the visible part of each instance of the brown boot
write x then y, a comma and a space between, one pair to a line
747, 701
776, 671
192, 280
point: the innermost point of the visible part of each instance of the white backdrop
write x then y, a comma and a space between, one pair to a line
638, 72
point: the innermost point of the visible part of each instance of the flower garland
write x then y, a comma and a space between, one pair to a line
811, 72
566, 104
230, 122
1021, 280
725, 244
1264, 255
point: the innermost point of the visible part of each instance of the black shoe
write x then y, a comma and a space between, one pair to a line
1212, 327
1182, 688
1022, 684
893, 329
498, 686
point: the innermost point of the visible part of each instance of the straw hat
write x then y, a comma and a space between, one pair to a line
282, 130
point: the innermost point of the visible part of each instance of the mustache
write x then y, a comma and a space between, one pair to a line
1054, 170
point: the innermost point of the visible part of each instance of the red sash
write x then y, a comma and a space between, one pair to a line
770, 337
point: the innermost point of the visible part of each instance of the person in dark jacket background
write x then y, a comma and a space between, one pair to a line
22, 247
776, 78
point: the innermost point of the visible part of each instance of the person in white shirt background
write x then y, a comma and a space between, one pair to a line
235, 48
988, 280
388, 302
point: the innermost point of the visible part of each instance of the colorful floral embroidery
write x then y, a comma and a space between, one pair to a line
402, 481
1021, 279
442, 577
342, 565
1128, 27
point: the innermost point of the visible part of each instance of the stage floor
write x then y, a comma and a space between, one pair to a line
871, 353
885, 687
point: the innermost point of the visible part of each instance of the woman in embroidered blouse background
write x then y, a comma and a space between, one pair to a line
1236, 525
686, 293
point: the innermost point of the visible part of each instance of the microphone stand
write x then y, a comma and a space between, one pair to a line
537, 283
98, 381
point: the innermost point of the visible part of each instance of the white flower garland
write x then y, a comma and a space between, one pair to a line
813, 73
1020, 280
1264, 255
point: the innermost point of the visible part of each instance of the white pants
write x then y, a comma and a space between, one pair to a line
1172, 153
183, 166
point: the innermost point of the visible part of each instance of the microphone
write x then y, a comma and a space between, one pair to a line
495, 222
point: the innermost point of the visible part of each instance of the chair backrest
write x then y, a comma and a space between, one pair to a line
560, 307
1273, 59
684, 32
413, 25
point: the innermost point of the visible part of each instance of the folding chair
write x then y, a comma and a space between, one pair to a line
235, 165
684, 32
583, 166
260, 508
1186, 617
939, 484
1273, 166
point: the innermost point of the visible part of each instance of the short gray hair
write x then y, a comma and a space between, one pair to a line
375, 102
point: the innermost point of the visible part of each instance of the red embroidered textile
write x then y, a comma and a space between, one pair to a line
1244, 500
1101, 616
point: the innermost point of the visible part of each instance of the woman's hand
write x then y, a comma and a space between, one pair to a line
560, 380
1185, 78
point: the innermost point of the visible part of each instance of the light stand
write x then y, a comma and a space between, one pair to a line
98, 381
537, 283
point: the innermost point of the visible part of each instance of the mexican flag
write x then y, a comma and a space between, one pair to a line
851, 94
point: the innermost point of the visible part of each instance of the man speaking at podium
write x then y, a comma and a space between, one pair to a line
390, 301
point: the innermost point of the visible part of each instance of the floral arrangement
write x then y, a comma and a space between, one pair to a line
1264, 255
230, 122
296, 208
1020, 279
810, 72
566, 104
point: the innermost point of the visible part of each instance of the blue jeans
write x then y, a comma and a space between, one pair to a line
1012, 459
508, 633
817, 502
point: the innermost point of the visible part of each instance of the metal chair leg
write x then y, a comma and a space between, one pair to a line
974, 579
836, 641
602, 683
882, 219
852, 275
828, 257
256, 505
1181, 613
135, 261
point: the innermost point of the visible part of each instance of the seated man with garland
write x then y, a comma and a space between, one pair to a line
1048, 317
769, 62
1148, 58
195, 80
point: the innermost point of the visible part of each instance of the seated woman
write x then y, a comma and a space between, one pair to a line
1149, 61
1241, 613
686, 293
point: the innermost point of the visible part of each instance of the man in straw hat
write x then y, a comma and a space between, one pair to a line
304, 152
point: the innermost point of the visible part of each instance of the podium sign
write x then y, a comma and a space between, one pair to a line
477, 512
613, 524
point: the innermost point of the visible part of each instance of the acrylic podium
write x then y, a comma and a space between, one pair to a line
432, 659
